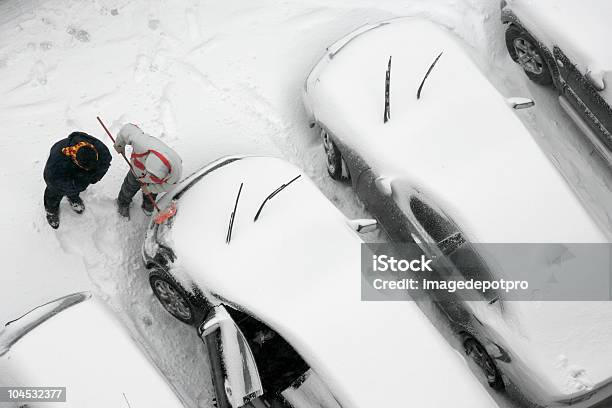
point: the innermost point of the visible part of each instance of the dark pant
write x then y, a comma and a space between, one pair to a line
53, 198
129, 188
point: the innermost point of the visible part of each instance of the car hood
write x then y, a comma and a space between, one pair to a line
298, 270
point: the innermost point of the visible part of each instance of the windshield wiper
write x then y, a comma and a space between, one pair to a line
433, 64
228, 237
275, 192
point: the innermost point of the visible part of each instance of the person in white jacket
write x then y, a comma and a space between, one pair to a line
156, 168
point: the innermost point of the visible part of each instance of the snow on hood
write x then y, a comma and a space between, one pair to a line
298, 269
465, 149
580, 28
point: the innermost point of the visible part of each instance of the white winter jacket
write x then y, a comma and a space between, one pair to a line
147, 149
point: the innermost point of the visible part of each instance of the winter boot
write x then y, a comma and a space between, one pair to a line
123, 209
53, 218
77, 205
147, 211
147, 207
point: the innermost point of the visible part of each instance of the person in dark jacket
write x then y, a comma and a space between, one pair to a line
73, 164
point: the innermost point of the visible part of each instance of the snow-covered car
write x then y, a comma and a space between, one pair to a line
77, 343
565, 43
268, 270
453, 167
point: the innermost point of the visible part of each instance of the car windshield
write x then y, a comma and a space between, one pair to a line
198, 177
202, 175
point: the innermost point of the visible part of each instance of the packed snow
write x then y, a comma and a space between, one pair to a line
209, 78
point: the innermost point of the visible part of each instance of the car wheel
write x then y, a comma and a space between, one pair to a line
477, 353
333, 157
526, 51
173, 297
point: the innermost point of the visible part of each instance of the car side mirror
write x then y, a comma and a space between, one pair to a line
363, 226
598, 83
235, 376
520, 103
383, 184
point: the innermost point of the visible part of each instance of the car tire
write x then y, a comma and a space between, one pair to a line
173, 297
527, 52
478, 354
333, 157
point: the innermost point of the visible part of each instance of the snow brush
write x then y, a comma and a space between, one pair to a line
162, 216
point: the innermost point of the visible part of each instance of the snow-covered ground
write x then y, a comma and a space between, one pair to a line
211, 78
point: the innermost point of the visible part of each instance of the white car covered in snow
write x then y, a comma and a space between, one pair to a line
268, 270
77, 343
566, 43
456, 166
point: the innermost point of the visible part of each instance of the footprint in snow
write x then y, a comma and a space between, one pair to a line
39, 72
142, 66
193, 25
153, 24
167, 118
79, 34
147, 321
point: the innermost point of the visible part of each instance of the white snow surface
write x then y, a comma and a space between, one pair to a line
302, 254
210, 78
579, 28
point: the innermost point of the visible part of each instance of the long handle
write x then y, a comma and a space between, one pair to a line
146, 193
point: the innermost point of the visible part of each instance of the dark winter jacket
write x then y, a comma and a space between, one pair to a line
63, 175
